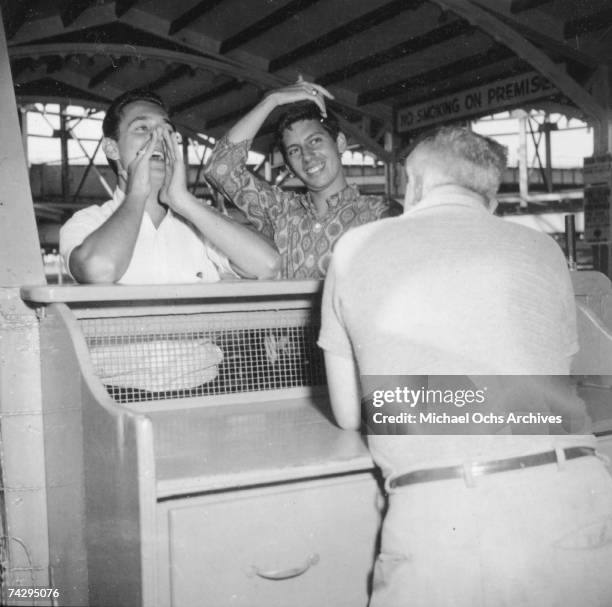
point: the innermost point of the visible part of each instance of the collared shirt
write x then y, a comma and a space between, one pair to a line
450, 289
174, 252
304, 241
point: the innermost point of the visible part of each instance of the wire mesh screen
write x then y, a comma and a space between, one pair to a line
144, 358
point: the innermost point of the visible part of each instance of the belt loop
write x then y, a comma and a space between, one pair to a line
560, 458
468, 477
388, 488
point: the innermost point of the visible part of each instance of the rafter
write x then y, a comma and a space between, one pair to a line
260, 27
478, 76
71, 9
550, 44
191, 15
413, 45
352, 28
496, 53
18, 68
480, 16
219, 91
229, 69
229, 117
123, 6
588, 23
18, 17
518, 6
169, 77
102, 75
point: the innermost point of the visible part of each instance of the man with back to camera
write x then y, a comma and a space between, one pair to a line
154, 230
474, 518
304, 227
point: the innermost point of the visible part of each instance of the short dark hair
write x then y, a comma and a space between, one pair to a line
114, 114
304, 110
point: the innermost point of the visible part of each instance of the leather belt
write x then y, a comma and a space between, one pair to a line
492, 467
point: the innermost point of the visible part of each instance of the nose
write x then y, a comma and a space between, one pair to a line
307, 153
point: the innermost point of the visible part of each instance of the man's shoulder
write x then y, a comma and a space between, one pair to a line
355, 237
527, 236
94, 212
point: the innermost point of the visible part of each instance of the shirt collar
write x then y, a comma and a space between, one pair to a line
450, 195
349, 193
119, 197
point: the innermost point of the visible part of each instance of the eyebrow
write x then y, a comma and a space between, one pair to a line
148, 117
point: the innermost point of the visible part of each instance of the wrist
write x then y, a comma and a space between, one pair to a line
136, 196
184, 203
270, 102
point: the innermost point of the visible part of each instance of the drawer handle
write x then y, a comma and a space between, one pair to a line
286, 574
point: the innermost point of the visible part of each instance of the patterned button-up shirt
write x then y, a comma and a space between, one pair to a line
304, 241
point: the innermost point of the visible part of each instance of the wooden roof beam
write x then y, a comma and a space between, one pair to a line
518, 6
123, 6
71, 9
16, 19
356, 26
496, 53
102, 75
263, 25
229, 117
169, 77
557, 47
588, 23
191, 15
214, 93
497, 70
480, 16
414, 45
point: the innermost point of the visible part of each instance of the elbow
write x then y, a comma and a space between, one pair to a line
93, 268
270, 268
352, 423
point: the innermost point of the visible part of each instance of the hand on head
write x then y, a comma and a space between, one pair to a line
303, 91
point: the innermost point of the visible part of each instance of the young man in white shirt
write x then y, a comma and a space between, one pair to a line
154, 230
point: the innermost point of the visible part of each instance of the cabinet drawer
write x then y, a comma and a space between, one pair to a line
304, 544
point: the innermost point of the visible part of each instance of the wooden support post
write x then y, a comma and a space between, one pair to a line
522, 117
602, 144
23, 514
64, 135
391, 168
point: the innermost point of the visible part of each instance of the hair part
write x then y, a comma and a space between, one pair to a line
462, 157
303, 110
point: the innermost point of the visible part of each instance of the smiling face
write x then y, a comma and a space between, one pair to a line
314, 156
138, 121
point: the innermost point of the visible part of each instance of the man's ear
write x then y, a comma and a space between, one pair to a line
341, 143
110, 148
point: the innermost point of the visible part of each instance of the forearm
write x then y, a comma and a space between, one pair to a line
344, 393
248, 126
105, 254
250, 252
227, 172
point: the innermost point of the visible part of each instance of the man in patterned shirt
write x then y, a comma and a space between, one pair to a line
304, 226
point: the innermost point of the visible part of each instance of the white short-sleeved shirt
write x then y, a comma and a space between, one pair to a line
174, 252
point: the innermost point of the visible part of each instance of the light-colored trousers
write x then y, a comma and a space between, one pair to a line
537, 537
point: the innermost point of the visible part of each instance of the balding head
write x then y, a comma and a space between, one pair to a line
455, 156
